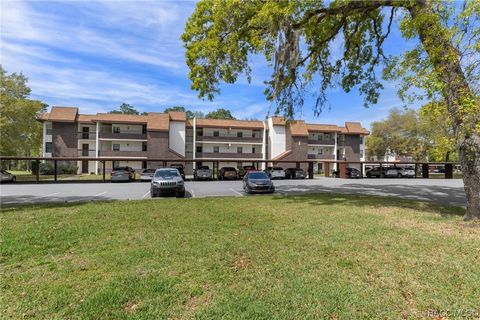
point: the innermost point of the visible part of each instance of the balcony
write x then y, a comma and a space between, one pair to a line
322, 156
231, 139
126, 154
229, 155
87, 135
322, 142
86, 153
123, 136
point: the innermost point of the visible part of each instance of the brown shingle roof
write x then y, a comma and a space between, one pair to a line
323, 127
218, 123
354, 128
177, 116
298, 128
278, 121
85, 117
120, 118
63, 114
158, 121
44, 116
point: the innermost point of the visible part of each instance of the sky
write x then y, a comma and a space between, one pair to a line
96, 55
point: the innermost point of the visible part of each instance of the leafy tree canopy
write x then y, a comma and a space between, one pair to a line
220, 113
190, 114
21, 134
126, 108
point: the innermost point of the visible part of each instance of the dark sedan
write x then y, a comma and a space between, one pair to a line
227, 173
258, 182
294, 173
351, 173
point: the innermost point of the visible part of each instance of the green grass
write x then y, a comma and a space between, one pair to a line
315, 256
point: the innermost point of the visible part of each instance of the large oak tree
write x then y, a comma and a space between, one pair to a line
296, 38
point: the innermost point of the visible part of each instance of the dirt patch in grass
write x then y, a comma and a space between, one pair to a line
196, 303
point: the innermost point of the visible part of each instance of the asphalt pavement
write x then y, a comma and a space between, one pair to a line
441, 191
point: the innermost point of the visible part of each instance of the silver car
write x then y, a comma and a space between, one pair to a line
122, 174
7, 176
167, 181
147, 174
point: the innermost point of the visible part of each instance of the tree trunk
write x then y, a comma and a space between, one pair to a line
456, 91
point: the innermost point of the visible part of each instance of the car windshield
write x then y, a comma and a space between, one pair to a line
166, 173
277, 168
149, 171
249, 168
229, 169
257, 175
121, 169
203, 168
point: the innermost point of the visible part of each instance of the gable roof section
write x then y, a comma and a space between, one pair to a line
218, 123
354, 128
61, 114
278, 121
177, 116
158, 121
298, 128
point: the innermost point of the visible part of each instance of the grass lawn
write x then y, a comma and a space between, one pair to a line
23, 176
315, 256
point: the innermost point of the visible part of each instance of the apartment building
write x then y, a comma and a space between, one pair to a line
171, 136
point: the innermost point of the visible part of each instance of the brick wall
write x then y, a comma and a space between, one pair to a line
157, 146
64, 139
352, 147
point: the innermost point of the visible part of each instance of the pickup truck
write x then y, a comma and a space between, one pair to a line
203, 173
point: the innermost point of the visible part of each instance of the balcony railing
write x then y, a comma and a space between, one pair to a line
322, 156
86, 153
228, 155
230, 139
125, 136
87, 135
123, 153
323, 142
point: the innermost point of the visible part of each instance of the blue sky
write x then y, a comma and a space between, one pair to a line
97, 54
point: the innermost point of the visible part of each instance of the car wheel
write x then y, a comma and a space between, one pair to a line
368, 175
181, 194
14, 179
152, 194
399, 175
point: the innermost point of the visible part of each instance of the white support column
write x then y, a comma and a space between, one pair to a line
194, 165
264, 146
97, 146
335, 150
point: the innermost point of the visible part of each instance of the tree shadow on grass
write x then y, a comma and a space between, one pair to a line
333, 197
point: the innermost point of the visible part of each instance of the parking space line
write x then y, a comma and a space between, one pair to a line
99, 194
146, 194
49, 195
235, 191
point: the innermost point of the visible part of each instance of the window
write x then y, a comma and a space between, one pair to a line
216, 149
144, 128
116, 147
327, 137
116, 129
199, 132
48, 147
48, 130
320, 136
116, 164
320, 151
199, 149
144, 164
239, 134
216, 133
253, 149
239, 150
361, 140
144, 146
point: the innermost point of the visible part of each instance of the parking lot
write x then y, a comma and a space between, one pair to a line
436, 190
